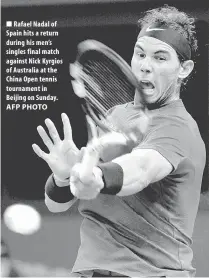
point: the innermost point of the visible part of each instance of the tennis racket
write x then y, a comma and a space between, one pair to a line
102, 80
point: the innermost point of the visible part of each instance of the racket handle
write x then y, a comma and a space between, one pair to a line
97, 145
90, 159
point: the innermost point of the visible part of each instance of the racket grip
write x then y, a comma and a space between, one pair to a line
97, 145
90, 159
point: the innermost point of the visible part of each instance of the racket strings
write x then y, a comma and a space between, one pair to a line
93, 91
111, 77
106, 84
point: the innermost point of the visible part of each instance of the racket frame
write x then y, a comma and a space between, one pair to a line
89, 45
93, 45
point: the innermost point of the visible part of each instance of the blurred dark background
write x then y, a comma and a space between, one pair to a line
113, 23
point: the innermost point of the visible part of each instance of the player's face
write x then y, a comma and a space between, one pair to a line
156, 66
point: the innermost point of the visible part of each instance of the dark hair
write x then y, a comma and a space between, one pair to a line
173, 18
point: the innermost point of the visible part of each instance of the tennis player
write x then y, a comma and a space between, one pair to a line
139, 208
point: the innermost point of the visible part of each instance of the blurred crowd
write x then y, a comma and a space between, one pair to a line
15, 268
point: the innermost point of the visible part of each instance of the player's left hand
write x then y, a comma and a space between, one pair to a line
85, 185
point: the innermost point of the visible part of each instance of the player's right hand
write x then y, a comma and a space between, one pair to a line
63, 154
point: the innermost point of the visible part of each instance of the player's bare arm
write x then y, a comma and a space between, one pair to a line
141, 168
125, 175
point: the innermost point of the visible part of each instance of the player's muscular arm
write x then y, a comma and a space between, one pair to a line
125, 175
140, 168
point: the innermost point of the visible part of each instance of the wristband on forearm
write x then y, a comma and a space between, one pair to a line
56, 193
112, 178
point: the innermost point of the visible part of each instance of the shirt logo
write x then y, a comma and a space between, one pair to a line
154, 29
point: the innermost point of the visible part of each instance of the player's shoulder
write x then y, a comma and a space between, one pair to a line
176, 122
172, 114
